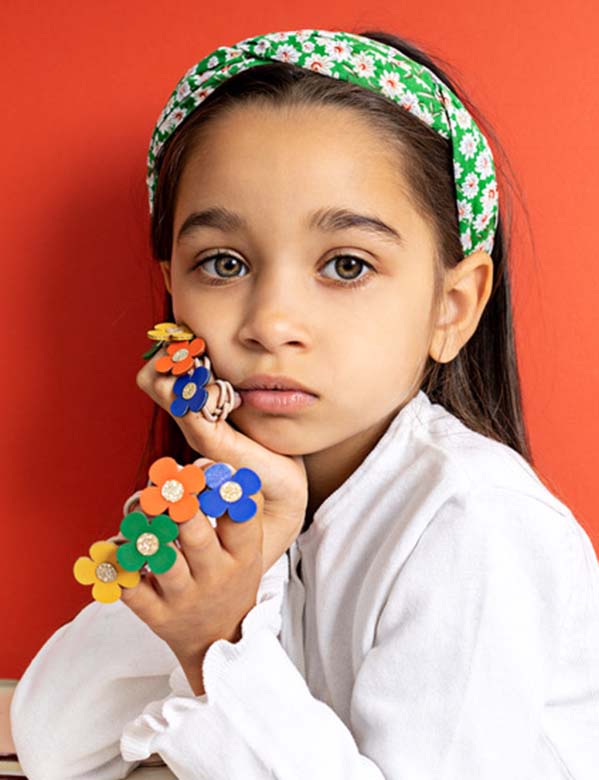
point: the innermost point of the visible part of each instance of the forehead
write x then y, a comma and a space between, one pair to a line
287, 162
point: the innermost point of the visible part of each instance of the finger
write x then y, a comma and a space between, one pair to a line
201, 546
143, 599
243, 541
156, 384
176, 579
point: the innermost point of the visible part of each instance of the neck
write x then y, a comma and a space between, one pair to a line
328, 469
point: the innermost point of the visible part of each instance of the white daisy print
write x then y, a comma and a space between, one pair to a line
308, 47
426, 115
363, 65
468, 145
202, 77
286, 53
338, 50
261, 47
470, 186
458, 170
489, 196
191, 73
183, 90
409, 101
391, 84
444, 98
170, 123
487, 244
201, 94
462, 117
320, 64
464, 210
484, 165
481, 221
466, 240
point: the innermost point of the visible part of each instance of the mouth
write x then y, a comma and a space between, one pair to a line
270, 383
277, 401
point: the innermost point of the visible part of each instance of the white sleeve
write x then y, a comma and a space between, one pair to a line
452, 688
89, 678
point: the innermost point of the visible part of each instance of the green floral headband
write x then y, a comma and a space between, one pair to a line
374, 66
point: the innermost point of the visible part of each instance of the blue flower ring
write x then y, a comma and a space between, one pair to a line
228, 493
190, 392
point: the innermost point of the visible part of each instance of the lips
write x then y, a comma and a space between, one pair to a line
273, 383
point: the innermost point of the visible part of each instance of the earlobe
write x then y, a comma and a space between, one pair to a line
165, 267
466, 291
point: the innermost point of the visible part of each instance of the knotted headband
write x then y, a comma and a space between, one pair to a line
374, 66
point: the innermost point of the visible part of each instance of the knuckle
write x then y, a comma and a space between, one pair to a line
201, 539
142, 378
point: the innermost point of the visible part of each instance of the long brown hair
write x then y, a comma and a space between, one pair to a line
481, 385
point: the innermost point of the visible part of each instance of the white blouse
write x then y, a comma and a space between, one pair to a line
445, 626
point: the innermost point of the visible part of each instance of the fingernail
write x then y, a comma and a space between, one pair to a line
237, 398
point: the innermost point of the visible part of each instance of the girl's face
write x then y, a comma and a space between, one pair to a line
283, 302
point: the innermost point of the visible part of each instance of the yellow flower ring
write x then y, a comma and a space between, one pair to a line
170, 331
167, 332
104, 572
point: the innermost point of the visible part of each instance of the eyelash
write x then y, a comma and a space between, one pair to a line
337, 283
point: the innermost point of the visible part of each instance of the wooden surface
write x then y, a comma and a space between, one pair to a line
13, 769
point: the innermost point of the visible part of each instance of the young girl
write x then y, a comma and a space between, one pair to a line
411, 601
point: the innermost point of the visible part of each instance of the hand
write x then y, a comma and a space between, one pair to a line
283, 477
207, 592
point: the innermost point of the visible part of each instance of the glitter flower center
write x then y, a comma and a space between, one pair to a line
180, 355
172, 490
106, 572
230, 491
189, 390
147, 544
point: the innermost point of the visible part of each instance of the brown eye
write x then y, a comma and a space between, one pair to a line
348, 267
225, 265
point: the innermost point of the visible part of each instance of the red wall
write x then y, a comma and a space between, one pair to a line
82, 86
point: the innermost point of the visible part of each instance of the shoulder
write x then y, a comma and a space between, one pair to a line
470, 464
476, 496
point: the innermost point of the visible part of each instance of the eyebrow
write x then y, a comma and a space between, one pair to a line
326, 219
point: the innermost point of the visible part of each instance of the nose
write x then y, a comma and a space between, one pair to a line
277, 311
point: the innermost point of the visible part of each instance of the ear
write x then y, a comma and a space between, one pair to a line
467, 289
165, 267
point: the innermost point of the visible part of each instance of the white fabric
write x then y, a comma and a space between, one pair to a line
445, 627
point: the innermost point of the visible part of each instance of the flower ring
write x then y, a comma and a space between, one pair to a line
166, 332
148, 543
180, 357
103, 571
229, 493
190, 392
173, 489
170, 331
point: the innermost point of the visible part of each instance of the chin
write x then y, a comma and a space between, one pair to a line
269, 432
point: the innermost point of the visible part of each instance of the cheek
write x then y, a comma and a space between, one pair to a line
206, 318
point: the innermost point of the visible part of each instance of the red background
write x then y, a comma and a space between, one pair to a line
83, 84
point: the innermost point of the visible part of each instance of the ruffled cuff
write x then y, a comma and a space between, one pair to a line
138, 740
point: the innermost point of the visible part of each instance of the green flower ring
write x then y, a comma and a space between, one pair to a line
374, 66
148, 542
